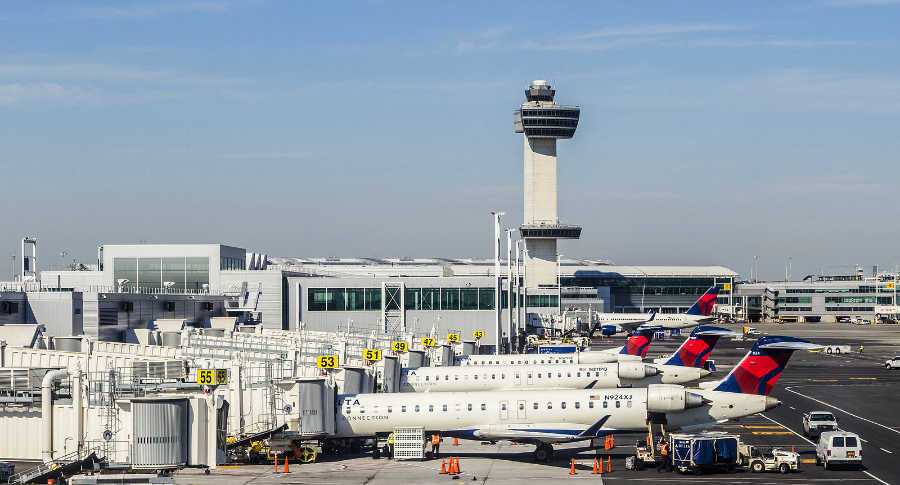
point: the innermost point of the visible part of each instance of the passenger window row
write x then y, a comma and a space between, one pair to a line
535, 405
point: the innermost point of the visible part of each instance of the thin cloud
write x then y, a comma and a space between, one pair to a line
860, 3
12, 94
90, 71
655, 30
156, 9
487, 39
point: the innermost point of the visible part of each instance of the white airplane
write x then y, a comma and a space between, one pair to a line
685, 365
634, 350
544, 418
700, 312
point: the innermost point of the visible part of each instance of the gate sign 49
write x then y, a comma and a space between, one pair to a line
327, 362
453, 338
371, 355
428, 342
399, 346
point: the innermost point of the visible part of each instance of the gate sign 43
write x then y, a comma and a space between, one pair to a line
327, 362
478, 334
212, 377
428, 342
399, 346
453, 338
371, 355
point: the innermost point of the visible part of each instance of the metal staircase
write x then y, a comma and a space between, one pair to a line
64, 465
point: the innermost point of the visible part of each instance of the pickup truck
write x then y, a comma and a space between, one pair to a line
893, 363
818, 422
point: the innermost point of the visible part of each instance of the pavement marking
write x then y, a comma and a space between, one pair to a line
857, 378
792, 407
771, 433
760, 426
886, 451
876, 478
842, 410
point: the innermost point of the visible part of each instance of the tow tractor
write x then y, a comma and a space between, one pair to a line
782, 461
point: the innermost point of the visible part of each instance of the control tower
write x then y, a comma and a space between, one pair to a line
543, 122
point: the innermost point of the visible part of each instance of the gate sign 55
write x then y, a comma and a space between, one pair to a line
328, 362
212, 377
428, 342
453, 338
371, 355
478, 334
399, 346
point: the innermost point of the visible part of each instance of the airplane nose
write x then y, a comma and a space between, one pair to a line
704, 373
772, 403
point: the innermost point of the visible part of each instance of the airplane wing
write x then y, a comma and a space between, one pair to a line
537, 432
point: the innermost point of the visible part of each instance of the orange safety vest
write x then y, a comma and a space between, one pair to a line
435, 439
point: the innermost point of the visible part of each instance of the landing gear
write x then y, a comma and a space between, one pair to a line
543, 453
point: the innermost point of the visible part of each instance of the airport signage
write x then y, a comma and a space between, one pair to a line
478, 334
887, 309
371, 355
212, 377
328, 362
399, 346
454, 338
429, 342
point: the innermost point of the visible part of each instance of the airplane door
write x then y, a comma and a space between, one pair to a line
520, 409
530, 379
504, 410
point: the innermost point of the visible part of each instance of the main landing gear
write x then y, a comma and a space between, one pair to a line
543, 453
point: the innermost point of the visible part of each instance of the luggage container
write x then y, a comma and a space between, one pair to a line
704, 452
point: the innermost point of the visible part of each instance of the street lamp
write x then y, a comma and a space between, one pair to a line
498, 310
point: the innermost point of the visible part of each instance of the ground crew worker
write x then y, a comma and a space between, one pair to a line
435, 445
662, 462
390, 443
860, 349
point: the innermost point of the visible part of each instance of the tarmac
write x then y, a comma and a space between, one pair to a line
855, 387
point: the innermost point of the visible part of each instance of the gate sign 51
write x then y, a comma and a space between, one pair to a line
371, 355
328, 362
212, 377
453, 338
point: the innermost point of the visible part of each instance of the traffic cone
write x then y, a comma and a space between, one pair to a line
458, 470
608, 464
455, 441
572, 467
598, 469
275, 461
612, 441
287, 468
443, 467
454, 467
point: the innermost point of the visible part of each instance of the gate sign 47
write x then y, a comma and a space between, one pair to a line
327, 362
428, 342
399, 346
371, 355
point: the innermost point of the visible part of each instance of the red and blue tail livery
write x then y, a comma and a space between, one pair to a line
638, 342
695, 351
704, 305
760, 369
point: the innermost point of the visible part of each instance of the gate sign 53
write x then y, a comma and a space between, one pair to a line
399, 346
212, 377
328, 362
428, 342
371, 355
453, 338
478, 334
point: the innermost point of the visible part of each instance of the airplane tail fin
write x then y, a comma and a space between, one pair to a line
760, 369
704, 305
696, 349
638, 342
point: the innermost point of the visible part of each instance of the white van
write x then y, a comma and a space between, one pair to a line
839, 448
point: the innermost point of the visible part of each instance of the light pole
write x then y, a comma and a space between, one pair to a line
518, 312
509, 292
498, 310
559, 313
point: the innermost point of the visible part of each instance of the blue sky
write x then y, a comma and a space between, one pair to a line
711, 131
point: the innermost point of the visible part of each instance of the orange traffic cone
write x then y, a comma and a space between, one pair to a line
612, 441
287, 468
572, 467
275, 461
458, 470
455, 441
608, 464
598, 468
443, 467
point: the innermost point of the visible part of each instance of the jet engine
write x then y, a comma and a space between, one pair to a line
636, 370
666, 398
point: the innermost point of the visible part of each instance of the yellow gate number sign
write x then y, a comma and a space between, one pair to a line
371, 355
726, 286
212, 377
327, 362
890, 285
453, 338
478, 334
399, 346
428, 342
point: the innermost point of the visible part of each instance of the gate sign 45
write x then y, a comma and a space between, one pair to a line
212, 377
453, 338
327, 362
371, 355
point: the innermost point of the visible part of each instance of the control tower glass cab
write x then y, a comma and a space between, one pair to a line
542, 121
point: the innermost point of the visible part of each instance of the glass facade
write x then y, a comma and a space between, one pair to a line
157, 273
369, 299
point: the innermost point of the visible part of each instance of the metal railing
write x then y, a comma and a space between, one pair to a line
53, 465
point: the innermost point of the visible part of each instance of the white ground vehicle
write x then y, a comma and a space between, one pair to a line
818, 422
837, 349
893, 363
839, 448
782, 461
